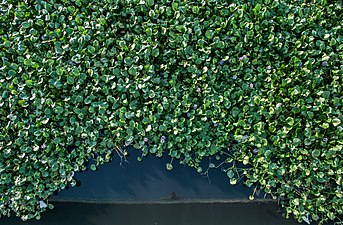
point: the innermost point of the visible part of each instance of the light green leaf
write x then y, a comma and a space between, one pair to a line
169, 166
336, 122
29, 83
209, 34
246, 160
290, 121
325, 125
175, 6
93, 167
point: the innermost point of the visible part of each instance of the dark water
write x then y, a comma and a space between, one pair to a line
159, 214
150, 180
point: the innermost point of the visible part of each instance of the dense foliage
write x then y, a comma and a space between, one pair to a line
255, 82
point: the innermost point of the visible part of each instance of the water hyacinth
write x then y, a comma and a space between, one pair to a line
324, 63
163, 139
141, 83
245, 137
242, 57
278, 105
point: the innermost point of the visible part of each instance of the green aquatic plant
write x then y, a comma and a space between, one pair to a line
256, 82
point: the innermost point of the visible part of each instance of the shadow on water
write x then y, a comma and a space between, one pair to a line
159, 214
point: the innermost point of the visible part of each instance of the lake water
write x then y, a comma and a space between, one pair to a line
150, 180
159, 214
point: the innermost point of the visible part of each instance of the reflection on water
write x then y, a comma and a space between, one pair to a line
159, 214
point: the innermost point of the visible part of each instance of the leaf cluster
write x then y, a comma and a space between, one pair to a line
252, 82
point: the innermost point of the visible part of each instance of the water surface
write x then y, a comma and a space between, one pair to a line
150, 180
159, 214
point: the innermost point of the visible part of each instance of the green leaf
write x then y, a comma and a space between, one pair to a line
91, 49
45, 173
169, 166
233, 181
155, 52
246, 160
132, 70
336, 122
290, 121
162, 128
25, 25
11, 73
70, 80
57, 140
325, 125
230, 173
151, 94
209, 34
148, 31
315, 153
62, 172
296, 201
175, 6
29, 83
333, 42
150, 2
88, 100
128, 61
7, 44
257, 8
235, 111
93, 167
